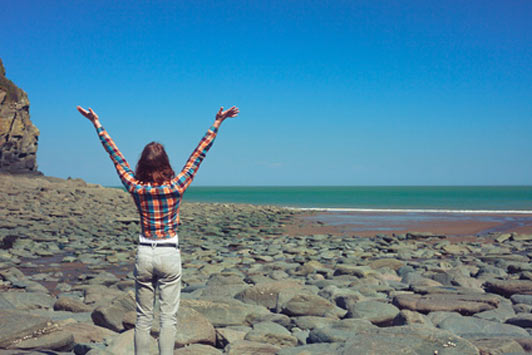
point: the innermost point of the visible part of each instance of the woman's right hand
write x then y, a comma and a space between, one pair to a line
90, 114
222, 115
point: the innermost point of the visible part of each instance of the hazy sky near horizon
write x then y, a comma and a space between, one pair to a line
330, 92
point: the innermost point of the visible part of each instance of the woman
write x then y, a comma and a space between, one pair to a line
157, 192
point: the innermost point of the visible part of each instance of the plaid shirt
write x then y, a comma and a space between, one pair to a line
158, 205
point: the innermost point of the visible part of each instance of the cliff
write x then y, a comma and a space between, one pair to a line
18, 136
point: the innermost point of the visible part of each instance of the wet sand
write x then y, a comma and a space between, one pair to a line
371, 223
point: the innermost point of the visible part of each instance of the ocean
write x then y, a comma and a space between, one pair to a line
463, 199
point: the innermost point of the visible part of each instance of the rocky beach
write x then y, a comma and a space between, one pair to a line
250, 284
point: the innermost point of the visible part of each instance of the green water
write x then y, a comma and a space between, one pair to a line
502, 198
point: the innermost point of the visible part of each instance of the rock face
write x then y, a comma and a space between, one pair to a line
18, 136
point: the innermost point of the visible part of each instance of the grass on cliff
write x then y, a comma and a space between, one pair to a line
14, 94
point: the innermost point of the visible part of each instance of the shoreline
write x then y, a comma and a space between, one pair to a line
409, 210
370, 223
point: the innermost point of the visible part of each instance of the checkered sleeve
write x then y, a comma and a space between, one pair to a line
184, 178
122, 167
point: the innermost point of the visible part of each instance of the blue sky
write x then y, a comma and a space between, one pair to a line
330, 92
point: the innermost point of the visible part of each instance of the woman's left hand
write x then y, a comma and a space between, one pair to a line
90, 114
222, 115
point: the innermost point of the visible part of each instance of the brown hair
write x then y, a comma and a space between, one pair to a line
153, 165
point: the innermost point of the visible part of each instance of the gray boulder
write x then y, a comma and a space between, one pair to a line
123, 344
111, 316
407, 317
342, 297
470, 327
391, 263
465, 304
312, 322
524, 299
225, 336
339, 331
521, 237
312, 305
378, 313
85, 333
497, 345
499, 314
70, 304
193, 327
358, 271
245, 347
313, 349
407, 340
271, 333
267, 293
225, 313
18, 324
222, 285
278, 318
27, 300
196, 349
58, 340
98, 295
508, 288
523, 320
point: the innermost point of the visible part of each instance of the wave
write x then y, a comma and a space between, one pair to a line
409, 210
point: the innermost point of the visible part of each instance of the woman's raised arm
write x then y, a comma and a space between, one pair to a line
185, 177
122, 166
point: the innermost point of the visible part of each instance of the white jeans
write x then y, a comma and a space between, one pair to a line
157, 268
